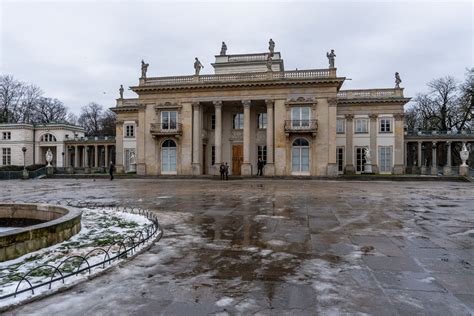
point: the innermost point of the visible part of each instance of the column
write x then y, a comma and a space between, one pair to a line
86, 159
434, 167
118, 148
349, 147
420, 158
76, 156
106, 156
399, 132
447, 168
246, 168
373, 142
270, 166
218, 136
331, 170
197, 139
96, 156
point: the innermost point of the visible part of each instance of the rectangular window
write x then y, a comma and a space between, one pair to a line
340, 126
262, 153
262, 120
360, 159
129, 131
213, 121
6, 156
361, 126
6, 135
169, 119
385, 125
213, 155
300, 116
238, 121
340, 159
385, 159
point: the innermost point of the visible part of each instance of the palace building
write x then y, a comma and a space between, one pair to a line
299, 122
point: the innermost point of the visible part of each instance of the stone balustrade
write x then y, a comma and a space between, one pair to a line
370, 93
237, 77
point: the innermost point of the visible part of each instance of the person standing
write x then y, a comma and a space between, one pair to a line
226, 171
260, 165
222, 170
111, 170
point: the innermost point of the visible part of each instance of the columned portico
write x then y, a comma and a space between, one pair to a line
197, 139
270, 166
246, 168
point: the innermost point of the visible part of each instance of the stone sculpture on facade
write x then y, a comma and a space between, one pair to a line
397, 80
144, 69
269, 62
121, 91
197, 66
133, 161
368, 161
464, 167
223, 49
49, 157
331, 57
271, 46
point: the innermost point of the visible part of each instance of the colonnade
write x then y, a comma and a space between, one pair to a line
89, 156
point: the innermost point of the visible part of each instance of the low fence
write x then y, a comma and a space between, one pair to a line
126, 246
13, 175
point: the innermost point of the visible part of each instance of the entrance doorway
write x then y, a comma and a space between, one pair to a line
168, 157
237, 158
300, 157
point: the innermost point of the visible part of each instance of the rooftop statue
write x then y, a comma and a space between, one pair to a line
144, 69
197, 66
331, 57
269, 62
271, 46
121, 91
397, 80
223, 49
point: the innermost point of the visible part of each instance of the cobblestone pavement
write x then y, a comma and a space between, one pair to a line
292, 247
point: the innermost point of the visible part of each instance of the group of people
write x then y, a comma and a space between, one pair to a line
224, 171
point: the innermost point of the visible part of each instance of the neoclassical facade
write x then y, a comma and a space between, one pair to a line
299, 122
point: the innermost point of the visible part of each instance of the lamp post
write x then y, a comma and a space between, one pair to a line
25, 172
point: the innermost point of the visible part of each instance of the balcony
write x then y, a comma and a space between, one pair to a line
166, 129
301, 126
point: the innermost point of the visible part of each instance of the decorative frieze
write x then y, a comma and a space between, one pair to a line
301, 101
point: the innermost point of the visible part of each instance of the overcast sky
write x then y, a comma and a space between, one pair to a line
81, 51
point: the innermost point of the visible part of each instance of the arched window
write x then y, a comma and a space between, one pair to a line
300, 157
48, 138
168, 157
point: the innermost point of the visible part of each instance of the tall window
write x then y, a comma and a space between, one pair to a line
300, 157
213, 121
169, 119
48, 138
129, 131
361, 126
385, 159
213, 155
385, 125
360, 158
300, 116
6, 156
6, 135
262, 120
262, 153
340, 126
238, 121
340, 159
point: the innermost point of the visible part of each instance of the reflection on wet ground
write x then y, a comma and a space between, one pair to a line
281, 247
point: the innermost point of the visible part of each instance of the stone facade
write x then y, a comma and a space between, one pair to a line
188, 125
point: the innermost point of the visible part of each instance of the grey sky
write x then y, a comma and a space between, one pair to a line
77, 50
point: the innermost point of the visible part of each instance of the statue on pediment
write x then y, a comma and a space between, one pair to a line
397, 80
331, 57
197, 66
271, 46
144, 69
121, 91
223, 49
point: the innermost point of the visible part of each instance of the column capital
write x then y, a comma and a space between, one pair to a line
332, 102
434, 144
246, 103
196, 104
217, 104
349, 117
373, 117
269, 102
448, 142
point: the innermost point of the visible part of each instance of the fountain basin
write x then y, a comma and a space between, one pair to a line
55, 224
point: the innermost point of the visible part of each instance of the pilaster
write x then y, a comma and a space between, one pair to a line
373, 142
349, 169
269, 166
246, 168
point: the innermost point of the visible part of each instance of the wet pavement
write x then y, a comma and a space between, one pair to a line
271, 247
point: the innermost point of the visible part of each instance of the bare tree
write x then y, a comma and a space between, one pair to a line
72, 118
49, 110
90, 118
446, 107
11, 94
108, 121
